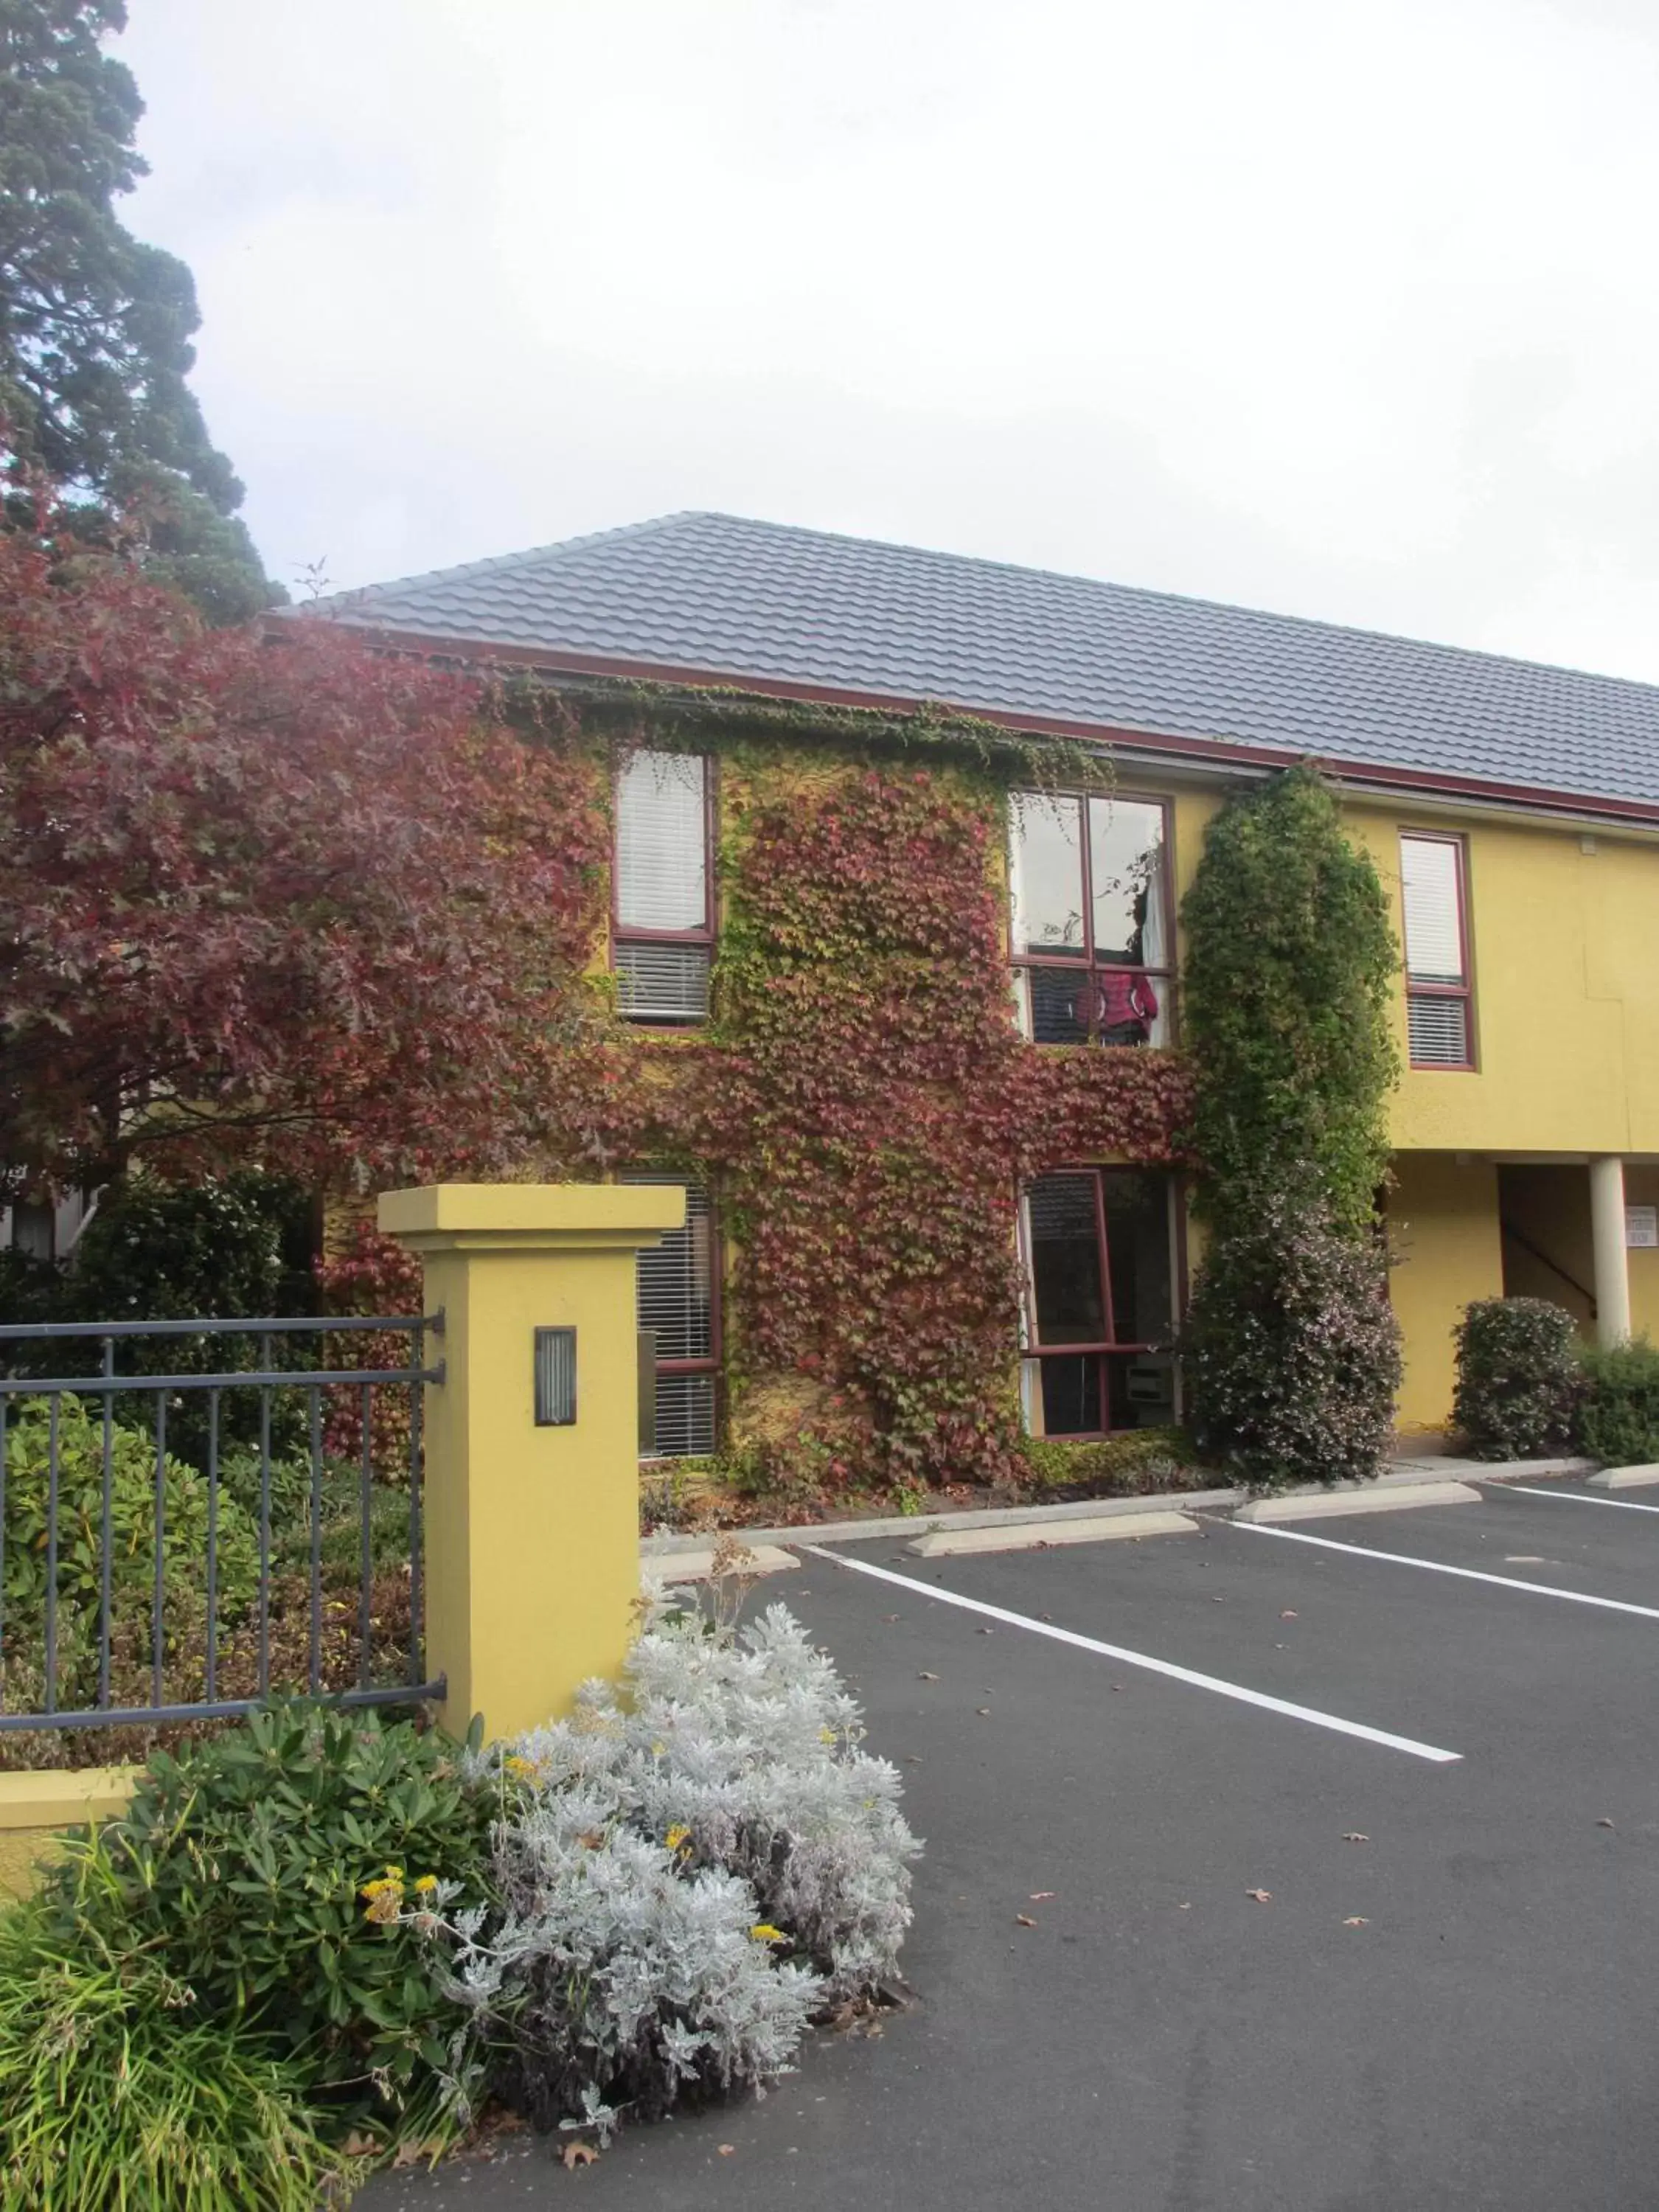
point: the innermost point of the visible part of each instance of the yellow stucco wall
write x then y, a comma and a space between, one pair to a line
1443, 1233
1564, 933
1563, 944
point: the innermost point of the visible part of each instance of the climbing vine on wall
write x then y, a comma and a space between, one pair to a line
1292, 1353
861, 1102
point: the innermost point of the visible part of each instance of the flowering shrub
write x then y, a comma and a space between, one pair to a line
1517, 1378
255, 1865
1293, 1350
689, 1868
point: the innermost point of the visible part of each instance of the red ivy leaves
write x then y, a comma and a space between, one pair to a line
868, 1115
296, 895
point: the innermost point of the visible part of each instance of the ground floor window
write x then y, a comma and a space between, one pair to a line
678, 1302
1098, 1247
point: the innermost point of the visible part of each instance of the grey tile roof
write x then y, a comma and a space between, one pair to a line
761, 600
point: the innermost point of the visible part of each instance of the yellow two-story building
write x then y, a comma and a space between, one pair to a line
1512, 811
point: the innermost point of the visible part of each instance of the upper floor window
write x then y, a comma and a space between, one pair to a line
662, 922
1438, 1018
1093, 939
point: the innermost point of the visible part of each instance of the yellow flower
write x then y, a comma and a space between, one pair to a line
426, 1881
763, 1932
515, 1764
677, 1837
394, 1873
826, 1735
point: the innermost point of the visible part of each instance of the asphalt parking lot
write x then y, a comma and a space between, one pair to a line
1275, 1963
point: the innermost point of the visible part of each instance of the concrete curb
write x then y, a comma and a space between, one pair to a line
1624, 1478
1102, 1527
1402, 1475
916, 1524
762, 1559
1404, 1497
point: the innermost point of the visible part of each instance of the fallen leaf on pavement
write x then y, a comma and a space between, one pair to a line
1356, 1923
1604, 1823
1184, 1908
1354, 1837
983, 1711
985, 1632
1024, 1920
926, 1677
726, 2149
1262, 1896
890, 1616
1043, 1896
576, 2155
1289, 1616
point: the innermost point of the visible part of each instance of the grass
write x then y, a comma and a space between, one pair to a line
116, 2095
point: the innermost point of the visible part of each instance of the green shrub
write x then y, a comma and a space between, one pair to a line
237, 1245
243, 1859
132, 1528
1518, 1378
1293, 1350
1128, 1465
1617, 1414
119, 2094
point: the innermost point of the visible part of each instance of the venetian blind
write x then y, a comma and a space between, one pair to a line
1430, 873
662, 855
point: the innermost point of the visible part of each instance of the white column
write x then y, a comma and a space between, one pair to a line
1611, 1267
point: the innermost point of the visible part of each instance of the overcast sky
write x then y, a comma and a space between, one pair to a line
1343, 307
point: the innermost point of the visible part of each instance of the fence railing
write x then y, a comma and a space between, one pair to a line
178, 1544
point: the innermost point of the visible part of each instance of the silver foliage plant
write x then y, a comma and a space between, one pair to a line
689, 1868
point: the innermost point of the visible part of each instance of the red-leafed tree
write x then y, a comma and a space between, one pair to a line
265, 893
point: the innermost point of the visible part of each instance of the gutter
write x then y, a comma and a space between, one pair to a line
566, 668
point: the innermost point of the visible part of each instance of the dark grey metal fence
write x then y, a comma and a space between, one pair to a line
79, 1591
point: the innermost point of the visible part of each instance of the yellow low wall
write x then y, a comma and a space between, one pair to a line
36, 1807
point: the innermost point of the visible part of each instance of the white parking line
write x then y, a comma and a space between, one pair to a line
1575, 1497
1439, 1567
1163, 1667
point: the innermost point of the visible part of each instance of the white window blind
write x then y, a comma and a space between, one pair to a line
1431, 871
663, 983
662, 847
1439, 1031
675, 1300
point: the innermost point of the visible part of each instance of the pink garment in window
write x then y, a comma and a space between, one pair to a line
1126, 997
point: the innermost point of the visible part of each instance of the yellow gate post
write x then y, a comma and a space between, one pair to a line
531, 1543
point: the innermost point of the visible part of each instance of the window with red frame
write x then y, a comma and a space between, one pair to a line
663, 917
1098, 1246
678, 1300
1439, 1012
1092, 931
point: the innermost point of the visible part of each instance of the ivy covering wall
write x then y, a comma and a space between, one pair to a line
859, 1103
